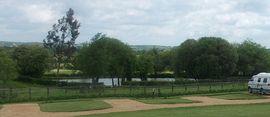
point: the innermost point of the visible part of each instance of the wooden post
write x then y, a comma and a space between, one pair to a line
48, 92
30, 93
10, 94
172, 88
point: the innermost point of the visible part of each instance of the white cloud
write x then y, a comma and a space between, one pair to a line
164, 22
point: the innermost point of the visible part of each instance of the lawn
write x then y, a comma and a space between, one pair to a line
258, 110
163, 100
73, 105
63, 72
236, 96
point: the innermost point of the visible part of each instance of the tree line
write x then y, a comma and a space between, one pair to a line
103, 56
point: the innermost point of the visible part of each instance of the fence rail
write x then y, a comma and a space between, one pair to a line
47, 93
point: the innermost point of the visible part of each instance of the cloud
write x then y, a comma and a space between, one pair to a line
162, 22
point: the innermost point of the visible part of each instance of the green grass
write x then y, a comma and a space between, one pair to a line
254, 110
63, 72
236, 96
168, 100
73, 105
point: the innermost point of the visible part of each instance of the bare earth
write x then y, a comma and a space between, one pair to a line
118, 105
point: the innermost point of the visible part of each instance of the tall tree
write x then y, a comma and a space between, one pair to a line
7, 68
105, 56
61, 39
184, 60
144, 66
155, 55
253, 58
32, 60
209, 57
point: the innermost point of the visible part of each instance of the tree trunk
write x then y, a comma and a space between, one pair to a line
112, 82
118, 81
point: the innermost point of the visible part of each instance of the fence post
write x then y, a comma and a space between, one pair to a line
130, 90
144, 90
30, 93
10, 94
221, 86
158, 91
172, 88
210, 87
48, 92
185, 87
114, 90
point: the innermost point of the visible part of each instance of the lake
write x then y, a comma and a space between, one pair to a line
108, 81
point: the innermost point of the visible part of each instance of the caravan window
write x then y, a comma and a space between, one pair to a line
265, 80
259, 79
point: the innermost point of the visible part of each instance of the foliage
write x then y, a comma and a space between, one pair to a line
144, 66
253, 58
32, 60
61, 39
7, 68
105, 55
209, 57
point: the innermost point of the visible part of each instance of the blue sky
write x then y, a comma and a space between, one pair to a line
151, 22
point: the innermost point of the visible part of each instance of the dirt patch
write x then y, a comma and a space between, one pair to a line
118, 105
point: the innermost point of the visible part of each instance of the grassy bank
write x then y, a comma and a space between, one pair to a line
258, 110
164, 100
236, 96
73, 105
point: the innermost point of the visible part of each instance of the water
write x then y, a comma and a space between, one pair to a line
108, 81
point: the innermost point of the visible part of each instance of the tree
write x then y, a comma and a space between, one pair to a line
61, 39
32, 61
155, 55
209, 57
105, 56
144, 65
7, 68
184, 60
253, 58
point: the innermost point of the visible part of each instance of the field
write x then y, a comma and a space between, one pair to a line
251, 110
73, 105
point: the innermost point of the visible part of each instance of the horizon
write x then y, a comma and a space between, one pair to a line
140, 22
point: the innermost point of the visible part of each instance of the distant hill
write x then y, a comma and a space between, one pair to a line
148, 47
15, 44
134, 47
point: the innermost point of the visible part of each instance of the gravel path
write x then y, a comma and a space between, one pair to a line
118, 105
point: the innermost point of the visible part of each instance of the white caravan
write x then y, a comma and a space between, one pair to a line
259, 83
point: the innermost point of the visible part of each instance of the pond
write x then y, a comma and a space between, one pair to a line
108, 81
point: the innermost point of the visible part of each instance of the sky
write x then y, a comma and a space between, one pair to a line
140, 22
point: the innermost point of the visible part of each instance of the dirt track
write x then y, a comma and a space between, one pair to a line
118, 105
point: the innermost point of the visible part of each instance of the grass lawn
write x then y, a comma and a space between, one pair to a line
258, 110
63, 71
73, 105
168, 100
236, 96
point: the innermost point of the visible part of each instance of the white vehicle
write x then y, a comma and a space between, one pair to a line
259, 83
